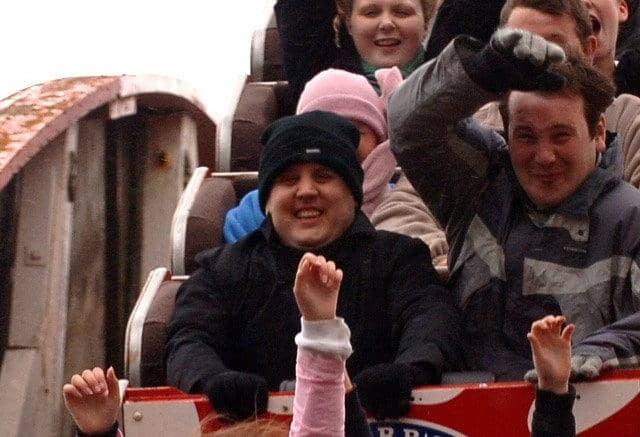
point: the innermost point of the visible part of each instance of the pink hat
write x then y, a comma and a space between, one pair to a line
351, 96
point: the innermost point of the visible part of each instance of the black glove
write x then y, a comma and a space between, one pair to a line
385, 389
514, 59
237, 395
627, 73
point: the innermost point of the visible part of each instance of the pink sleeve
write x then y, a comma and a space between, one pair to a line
318, 404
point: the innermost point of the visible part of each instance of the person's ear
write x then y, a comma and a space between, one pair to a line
590, 49
601, 134
623, 11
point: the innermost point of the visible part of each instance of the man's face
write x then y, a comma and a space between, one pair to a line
310, 206
606, 16
560, 29
549, 144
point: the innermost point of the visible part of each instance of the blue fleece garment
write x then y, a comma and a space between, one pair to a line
244, 218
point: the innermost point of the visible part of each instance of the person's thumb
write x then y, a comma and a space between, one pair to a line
112, 384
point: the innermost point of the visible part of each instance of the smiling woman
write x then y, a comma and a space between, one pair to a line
386, 33
359, 36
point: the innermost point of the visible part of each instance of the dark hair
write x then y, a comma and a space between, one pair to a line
345, 8
584, 81
572, 8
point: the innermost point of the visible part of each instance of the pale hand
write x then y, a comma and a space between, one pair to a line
551, 347
316, 287
93, 400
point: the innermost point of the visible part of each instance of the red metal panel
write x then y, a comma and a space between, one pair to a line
471, 410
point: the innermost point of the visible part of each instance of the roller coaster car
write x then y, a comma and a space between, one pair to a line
607, 406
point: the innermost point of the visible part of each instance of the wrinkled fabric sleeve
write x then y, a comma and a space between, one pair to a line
425, 322
553, 416
430, 135
318, 404
617, 344
197, 331
403, 211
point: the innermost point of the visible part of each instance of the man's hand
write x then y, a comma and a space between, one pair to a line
93, 400
585, 366
551, 348
385, 389
526, 47
514, 59
316, 287
238, 395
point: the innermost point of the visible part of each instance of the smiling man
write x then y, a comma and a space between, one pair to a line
232, 331
540, 226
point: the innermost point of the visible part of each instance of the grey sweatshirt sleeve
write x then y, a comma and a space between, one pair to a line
443, 154
617, 344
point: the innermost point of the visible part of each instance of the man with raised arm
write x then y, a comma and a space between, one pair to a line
537, 224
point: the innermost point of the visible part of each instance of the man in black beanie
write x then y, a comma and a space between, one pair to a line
232, 331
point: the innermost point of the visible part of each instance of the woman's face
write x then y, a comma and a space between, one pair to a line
387, 33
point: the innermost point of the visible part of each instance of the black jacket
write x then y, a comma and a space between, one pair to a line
309, 45
477, 18
237, 311
627, 74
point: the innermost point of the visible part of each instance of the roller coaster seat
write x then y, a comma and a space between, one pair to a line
199, 218
266, 53
260, 104
146, 330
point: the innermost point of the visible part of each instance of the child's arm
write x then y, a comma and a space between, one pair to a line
323, 347
93, 399
551, 347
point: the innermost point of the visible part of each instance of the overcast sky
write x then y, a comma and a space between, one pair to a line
203, 42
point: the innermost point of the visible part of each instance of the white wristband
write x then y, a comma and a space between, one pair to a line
329, 336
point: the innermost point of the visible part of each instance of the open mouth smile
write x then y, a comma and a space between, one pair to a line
308, 213
387, 42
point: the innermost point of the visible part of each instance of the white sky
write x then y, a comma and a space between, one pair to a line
205, 43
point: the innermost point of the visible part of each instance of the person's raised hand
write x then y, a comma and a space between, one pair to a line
316, 287
93, 399
551, 348
526, 47
514, 59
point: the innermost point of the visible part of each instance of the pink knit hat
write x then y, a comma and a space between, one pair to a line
351, 96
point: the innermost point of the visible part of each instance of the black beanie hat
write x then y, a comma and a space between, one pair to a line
316, 136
